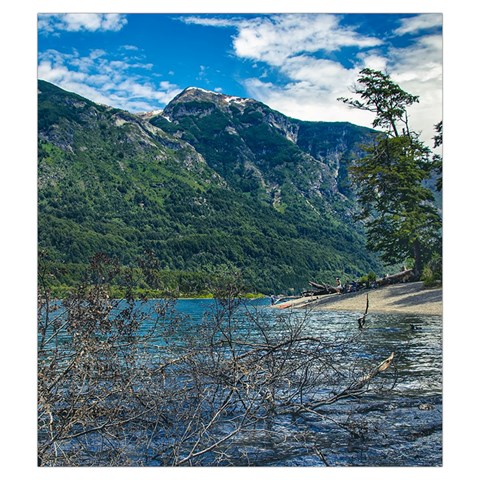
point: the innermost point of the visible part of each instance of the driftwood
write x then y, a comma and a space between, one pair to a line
320, 289
356, 388
298, 302
284, 299
402, 276
309, 293
370, 375
323, 288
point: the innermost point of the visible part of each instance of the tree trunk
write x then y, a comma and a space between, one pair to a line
418, 266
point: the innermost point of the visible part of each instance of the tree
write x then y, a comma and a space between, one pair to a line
384, 98
398, 209
437, 159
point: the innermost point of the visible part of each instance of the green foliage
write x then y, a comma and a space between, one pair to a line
50, 111
164, 124
340, 141
112, 186
271, 147
368, 279
437, 159
398, 209
383, 97
432, 272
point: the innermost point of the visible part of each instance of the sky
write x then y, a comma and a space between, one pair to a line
298, 64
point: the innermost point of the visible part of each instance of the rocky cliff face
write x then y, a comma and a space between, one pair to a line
259, 149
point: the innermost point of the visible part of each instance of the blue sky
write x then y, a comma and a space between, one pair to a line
298, 64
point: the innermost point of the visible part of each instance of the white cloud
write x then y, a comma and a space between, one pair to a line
292, 44
322, 73
419, 23
78, 22
275, 39
105, 80
131, 48
419, 70
210, 22
374, 60
305, 101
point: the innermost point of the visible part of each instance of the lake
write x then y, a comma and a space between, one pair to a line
404, 424
396, 424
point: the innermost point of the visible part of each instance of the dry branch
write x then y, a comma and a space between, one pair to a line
178, 393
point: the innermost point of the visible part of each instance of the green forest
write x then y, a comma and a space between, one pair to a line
196, 196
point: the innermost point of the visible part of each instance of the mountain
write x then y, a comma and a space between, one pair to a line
212, 180
258, 149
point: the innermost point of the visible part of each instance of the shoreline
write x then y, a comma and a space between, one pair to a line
411, 298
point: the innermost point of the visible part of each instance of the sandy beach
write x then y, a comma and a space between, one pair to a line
403, 297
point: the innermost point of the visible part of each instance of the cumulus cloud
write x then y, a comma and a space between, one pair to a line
419, 70
78, 22
106, 80
419, 23
311, 92
272, 39
372, 59
305, 101
275, 39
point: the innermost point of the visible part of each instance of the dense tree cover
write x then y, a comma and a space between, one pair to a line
399, 211
109, 182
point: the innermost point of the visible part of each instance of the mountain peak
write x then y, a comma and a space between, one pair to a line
197, 93
198, 89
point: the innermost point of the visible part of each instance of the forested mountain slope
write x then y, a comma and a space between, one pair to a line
213, 180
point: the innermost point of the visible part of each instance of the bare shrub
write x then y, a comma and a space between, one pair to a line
131, 382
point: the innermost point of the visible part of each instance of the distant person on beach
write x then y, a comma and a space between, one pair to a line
339, 285
352, 286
